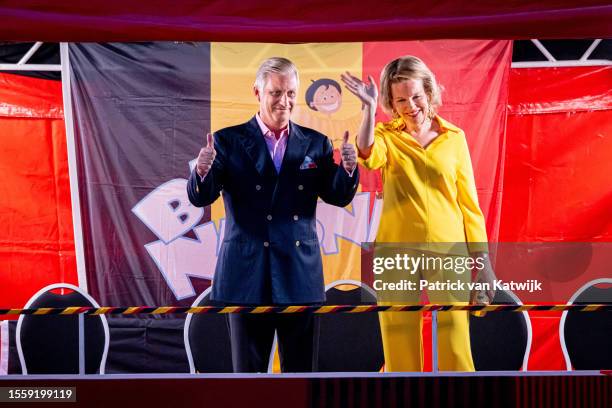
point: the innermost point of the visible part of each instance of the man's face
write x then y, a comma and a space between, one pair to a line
326, 99
277, 99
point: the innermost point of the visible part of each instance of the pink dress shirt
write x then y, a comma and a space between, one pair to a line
276, 147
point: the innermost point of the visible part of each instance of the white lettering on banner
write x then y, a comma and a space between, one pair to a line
192, 164
167, 210
185, 257
374, 219
335, 222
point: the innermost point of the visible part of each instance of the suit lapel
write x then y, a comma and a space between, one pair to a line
255, 146
297, 144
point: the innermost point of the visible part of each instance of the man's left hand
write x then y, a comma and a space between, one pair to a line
349, 154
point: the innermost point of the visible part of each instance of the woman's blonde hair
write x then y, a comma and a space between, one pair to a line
402, 69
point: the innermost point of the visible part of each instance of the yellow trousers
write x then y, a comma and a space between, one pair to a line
402, 331
403, 341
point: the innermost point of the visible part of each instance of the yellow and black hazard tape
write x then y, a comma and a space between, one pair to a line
302, 309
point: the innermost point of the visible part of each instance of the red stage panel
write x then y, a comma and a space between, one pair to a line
557, 175
558, 156
36, 238
25, 97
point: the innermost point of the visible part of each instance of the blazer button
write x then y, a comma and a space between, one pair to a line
258, 187
269, 217
266, 244
297, 243
300, 187
295, 218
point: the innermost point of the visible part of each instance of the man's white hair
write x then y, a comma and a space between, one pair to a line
274, 65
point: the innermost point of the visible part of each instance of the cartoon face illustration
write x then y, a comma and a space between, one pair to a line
324, 95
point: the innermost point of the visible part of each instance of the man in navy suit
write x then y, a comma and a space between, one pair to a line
271, 172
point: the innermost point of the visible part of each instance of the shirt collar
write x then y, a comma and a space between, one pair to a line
266, 131
446, 126
399, 125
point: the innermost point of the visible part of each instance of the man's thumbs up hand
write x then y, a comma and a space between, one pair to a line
348, 153
206, 156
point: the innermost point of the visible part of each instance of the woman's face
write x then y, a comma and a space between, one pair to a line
410, 101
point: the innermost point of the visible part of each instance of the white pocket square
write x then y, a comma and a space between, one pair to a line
308, 163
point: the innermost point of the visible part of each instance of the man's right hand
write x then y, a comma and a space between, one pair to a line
206, 156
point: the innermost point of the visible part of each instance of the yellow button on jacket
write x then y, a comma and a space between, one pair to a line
429, 193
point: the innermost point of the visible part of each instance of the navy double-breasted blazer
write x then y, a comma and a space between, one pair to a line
270, 251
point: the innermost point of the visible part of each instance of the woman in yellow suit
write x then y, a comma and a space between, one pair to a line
429, 197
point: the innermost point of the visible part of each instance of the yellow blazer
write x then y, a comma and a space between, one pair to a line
429, 193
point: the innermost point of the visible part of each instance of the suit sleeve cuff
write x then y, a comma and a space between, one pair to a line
351, 173
199, 181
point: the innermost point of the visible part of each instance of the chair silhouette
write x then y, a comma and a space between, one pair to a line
585, 336
496, 331
62, 344
207, 340
350, 342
